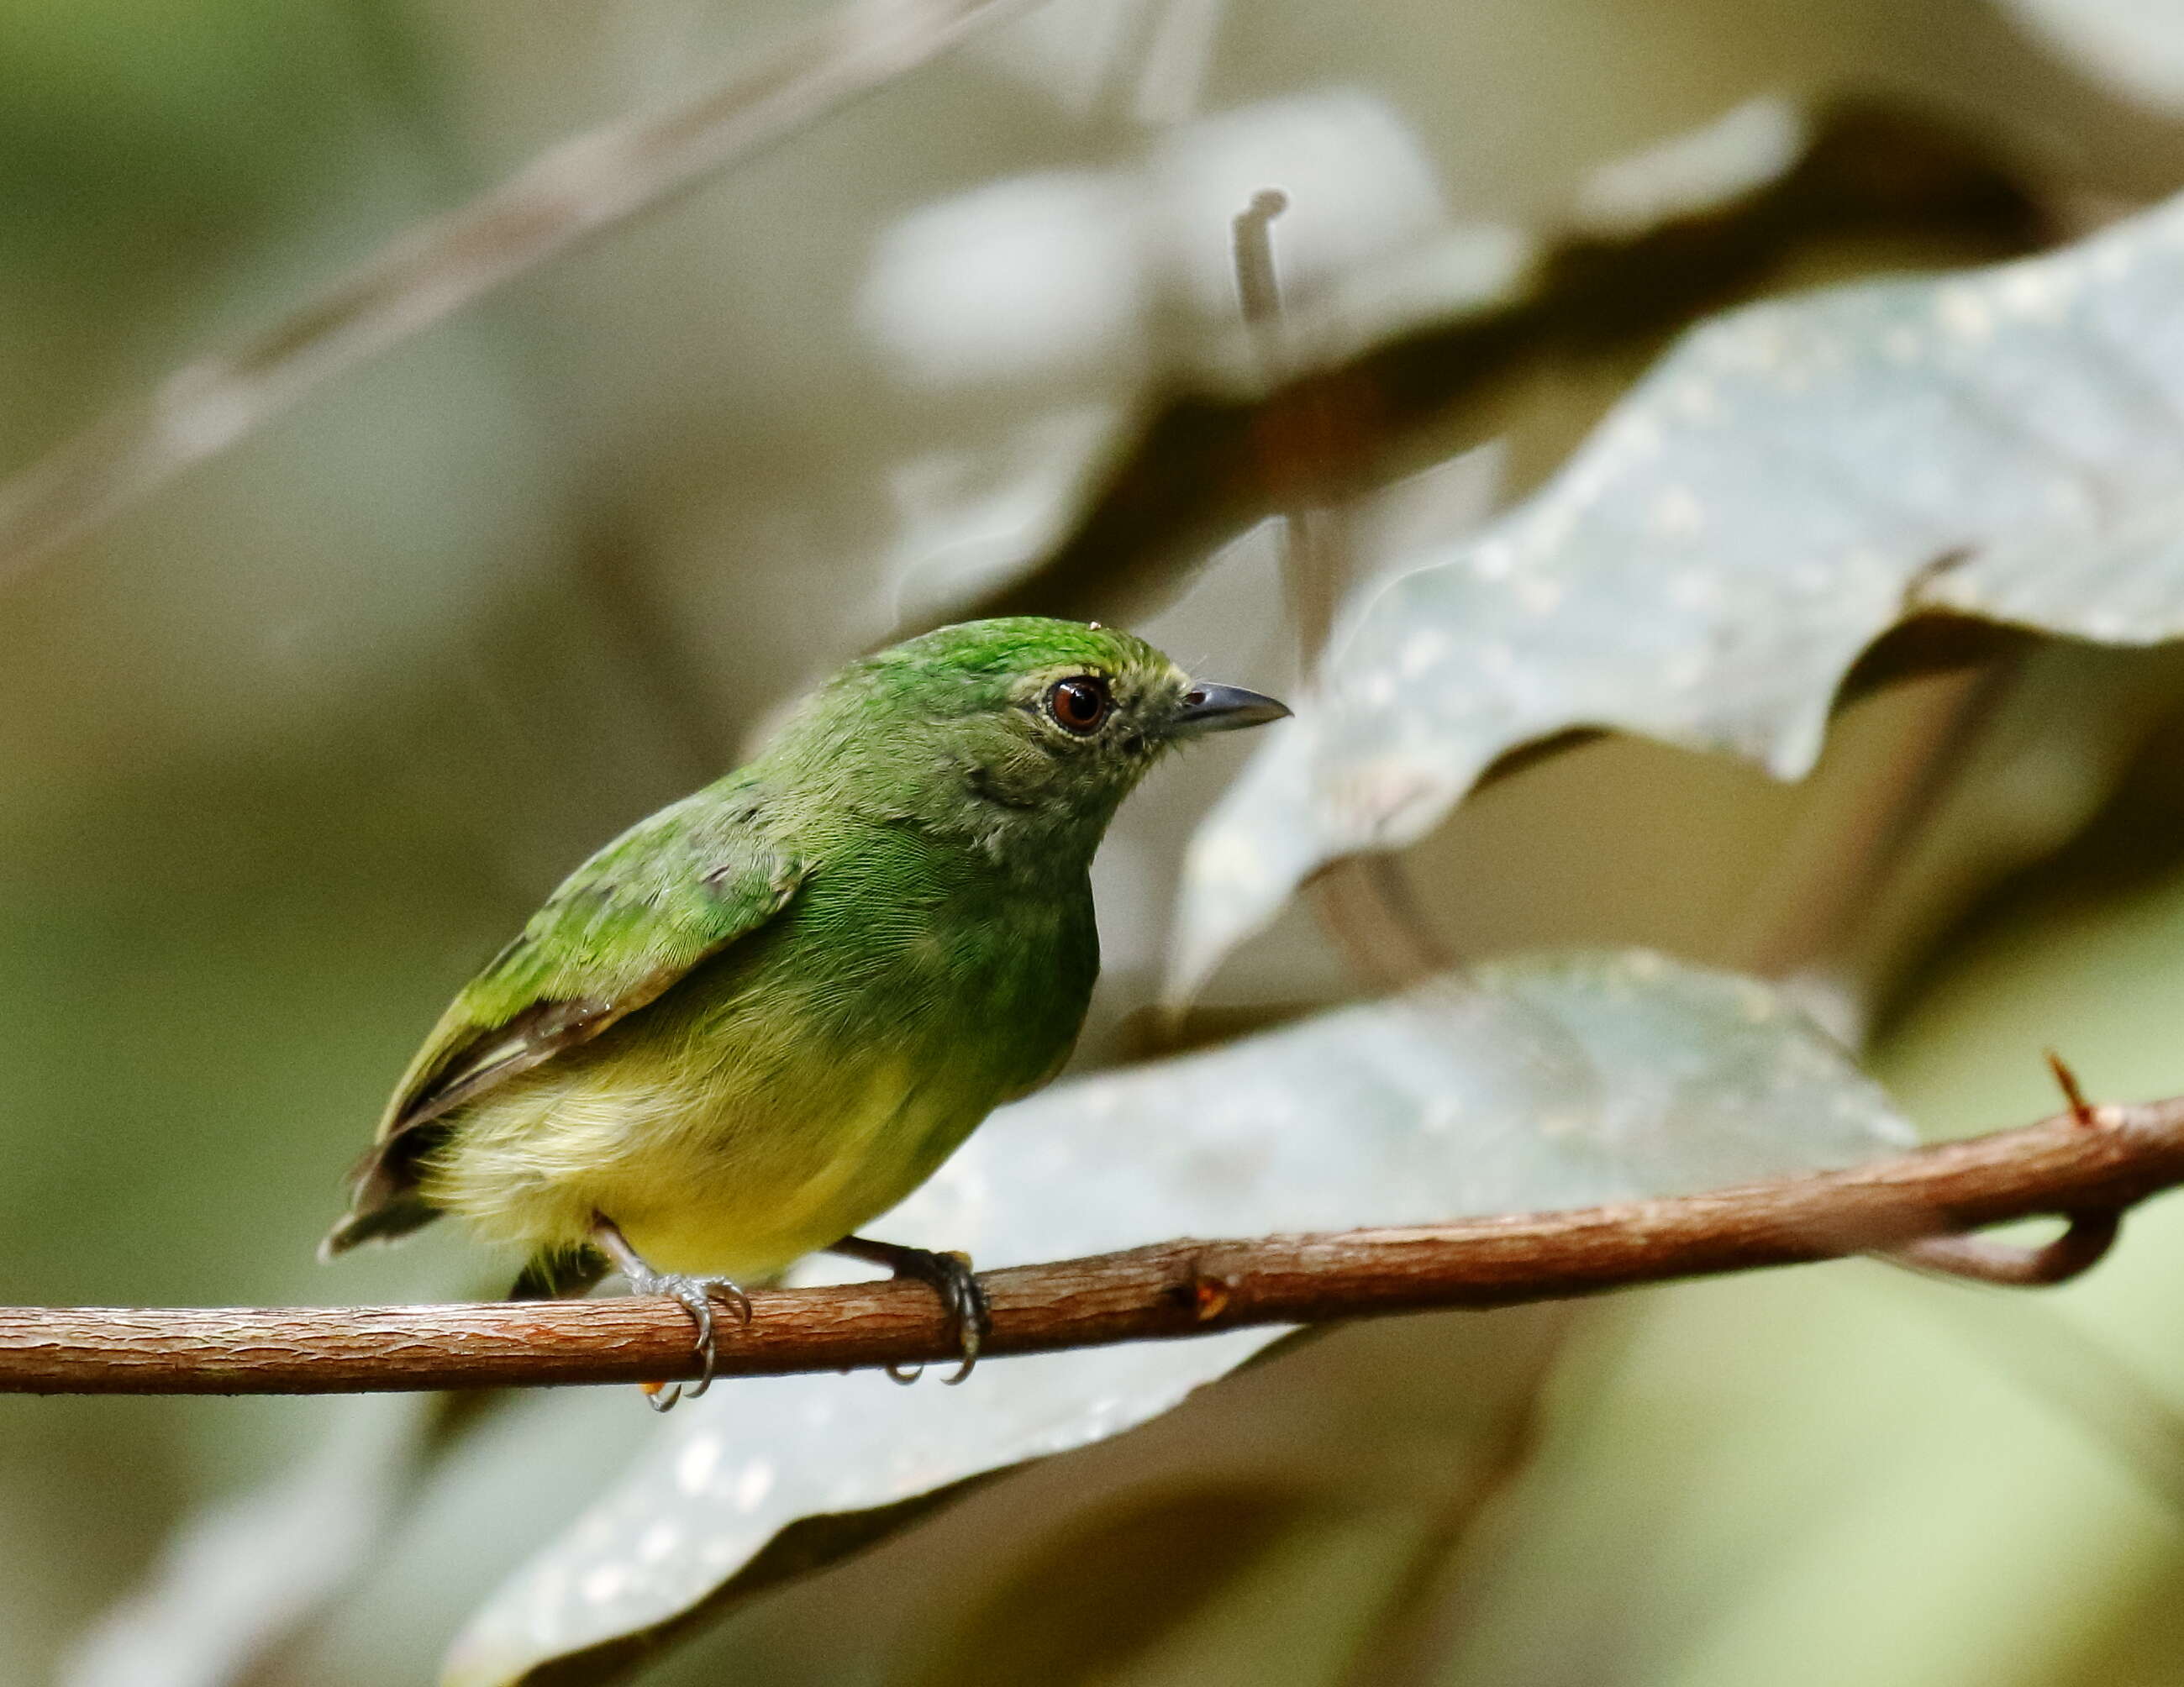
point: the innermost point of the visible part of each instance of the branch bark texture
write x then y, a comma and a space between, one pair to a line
2087, 1166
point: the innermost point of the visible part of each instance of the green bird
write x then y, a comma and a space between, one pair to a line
767, 1013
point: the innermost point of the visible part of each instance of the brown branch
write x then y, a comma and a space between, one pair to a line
2084, 1244
2096, 1164
568, 193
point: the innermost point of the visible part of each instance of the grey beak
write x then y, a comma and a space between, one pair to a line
1223, 708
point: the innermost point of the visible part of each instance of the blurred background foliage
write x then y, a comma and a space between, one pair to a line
286, 748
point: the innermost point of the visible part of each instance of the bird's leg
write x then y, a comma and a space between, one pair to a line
694, 1295
560, 1274
948, 1273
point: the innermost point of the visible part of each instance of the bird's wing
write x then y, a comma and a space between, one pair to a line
668, 893
673, 890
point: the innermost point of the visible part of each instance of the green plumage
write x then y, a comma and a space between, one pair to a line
768, 1012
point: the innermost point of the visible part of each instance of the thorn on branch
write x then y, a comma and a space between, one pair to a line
2080, 1109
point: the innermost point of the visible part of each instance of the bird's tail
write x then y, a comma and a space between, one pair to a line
381, 1223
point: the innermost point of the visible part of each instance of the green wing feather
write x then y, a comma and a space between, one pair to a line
624, 927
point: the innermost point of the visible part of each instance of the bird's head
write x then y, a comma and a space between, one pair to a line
1012, 726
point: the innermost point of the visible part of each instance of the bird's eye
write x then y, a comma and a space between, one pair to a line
1080, 705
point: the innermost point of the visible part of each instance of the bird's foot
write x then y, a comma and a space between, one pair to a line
951, 1278
694, 1295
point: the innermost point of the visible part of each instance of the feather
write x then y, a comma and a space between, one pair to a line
624, 928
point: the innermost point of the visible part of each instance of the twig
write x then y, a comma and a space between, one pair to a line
2100, 1165
1297, 449
1811, 910
1363, 903
2085, 1242
572, 191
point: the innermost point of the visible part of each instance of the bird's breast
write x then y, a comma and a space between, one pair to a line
960, 968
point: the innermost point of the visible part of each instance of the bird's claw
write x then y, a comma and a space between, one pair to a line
951, 1276
695, 1295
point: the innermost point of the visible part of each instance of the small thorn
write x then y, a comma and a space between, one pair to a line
2081, 1109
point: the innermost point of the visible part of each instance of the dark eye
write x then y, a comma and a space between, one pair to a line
1081, 704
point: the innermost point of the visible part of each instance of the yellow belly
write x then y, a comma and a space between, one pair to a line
712, 1172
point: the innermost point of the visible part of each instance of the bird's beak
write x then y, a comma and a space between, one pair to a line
1223, 708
